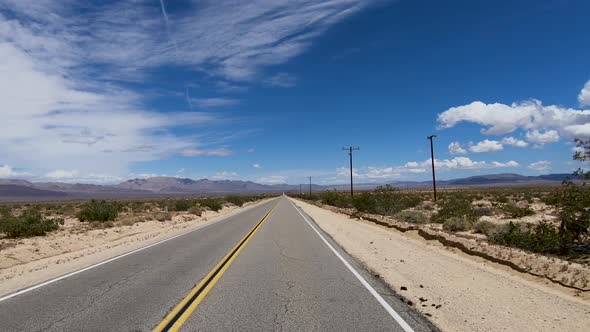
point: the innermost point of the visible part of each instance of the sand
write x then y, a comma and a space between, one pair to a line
26, 262
468, 293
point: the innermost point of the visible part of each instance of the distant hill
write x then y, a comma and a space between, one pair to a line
12, 189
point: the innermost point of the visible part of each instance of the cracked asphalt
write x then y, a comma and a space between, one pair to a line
285, 279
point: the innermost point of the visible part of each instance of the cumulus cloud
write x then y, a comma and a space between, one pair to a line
456, 148
584, 96
541, 166
514, 142
486, 146
531, 116
272, 179
63, 174
7, 171
392, 172
538, 137
256, 166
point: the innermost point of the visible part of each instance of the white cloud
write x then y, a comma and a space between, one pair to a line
251, 150
201, 152
63, 174
213, 102
498, 119
541, 166
514, 142
7, 171
224, 175
282, 80
486, 146
63, 63
538, 137
256, 166
392, 172
455, 148
584, 96
272, 179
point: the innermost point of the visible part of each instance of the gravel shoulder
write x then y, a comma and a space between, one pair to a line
457, 291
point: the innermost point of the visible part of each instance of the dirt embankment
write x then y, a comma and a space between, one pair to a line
459, 292
26, 262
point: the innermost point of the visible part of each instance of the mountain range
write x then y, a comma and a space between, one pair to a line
18, 190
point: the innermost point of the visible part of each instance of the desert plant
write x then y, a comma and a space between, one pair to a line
414, 217
211, 203
455, 206
236, 200
514, 211
182, 205
457, 224
100, 211
484, 227
163, 216
30, 223
196, 211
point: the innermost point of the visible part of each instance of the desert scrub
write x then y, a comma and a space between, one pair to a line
542, 237
513, 211
457, 224
236, 200
163, 216
196, 211
100, 211
455, 207
30, 223
414, 217
484, 227
385, 201
211, 203
182, 204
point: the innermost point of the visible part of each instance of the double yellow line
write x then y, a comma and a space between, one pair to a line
174, 320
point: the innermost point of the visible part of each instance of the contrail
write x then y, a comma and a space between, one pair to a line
168, 25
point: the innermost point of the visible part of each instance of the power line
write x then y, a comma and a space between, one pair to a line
350, 149
431, 137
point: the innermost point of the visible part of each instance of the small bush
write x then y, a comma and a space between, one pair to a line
196, 211
483, 211
182, 205
163, 216
457, 224
29, 223
385, 201
236, 200
100, 211
211, 203
414, 217
484, 227
455, 207
514, 211
542, 237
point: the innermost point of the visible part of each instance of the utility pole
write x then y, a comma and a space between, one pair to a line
310, 186
350, 149
431, 137
300, 189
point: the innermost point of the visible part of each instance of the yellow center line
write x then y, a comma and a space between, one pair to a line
178, 316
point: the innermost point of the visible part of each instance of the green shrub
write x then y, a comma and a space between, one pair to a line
211, 203
100, 211
163, 216
514, 211
542, 237
457, 224
196, 211
236, 200
182, 205
483, 211
414, 217
29, 223
457, 207
484, 227
385, 201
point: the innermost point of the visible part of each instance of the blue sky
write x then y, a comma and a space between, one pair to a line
270, 91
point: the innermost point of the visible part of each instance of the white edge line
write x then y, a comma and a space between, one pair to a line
373, 292
50, 281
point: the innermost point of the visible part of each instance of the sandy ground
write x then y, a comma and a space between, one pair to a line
457, 291
27, 262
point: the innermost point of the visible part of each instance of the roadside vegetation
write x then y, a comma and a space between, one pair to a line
23, 220
551, 220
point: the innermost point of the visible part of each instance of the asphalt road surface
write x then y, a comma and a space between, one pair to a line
268, 268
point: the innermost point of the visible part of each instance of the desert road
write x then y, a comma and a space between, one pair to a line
268, 268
